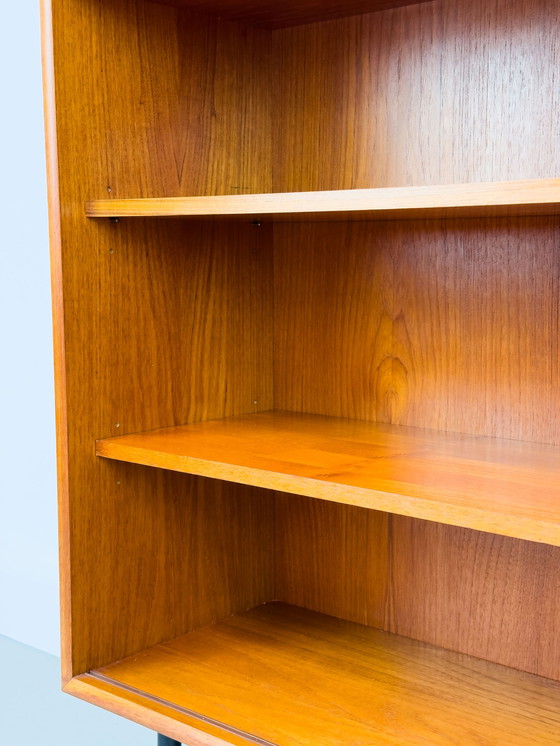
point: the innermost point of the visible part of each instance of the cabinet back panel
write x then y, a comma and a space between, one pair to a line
164, 323
476, 593
434, 93
452, 325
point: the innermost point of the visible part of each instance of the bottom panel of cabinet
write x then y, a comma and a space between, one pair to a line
280, 674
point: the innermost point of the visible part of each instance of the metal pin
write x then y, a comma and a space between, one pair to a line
113, 220
117, 424
256, 223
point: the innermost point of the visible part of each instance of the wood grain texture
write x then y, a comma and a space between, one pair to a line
333, 558
507, 487
467, 200
444, 325
150, 339
359, 686
160, 322
489, 596
436, 93
161, 717
485, 595
196, 116
57, 294
452, 325
279, 13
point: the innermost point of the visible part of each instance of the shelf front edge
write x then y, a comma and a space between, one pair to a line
160, 716
492, 199
490, 521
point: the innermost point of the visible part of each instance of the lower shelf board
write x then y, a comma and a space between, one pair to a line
283, 675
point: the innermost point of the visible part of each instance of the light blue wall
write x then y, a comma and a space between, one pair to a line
28, 553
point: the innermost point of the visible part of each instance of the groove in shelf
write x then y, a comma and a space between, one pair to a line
493, 199
504, 487
361, 685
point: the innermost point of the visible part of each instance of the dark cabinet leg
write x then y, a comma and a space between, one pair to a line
165, 741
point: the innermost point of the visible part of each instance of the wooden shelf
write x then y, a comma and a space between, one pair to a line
501, 486
280, 14
535, 197
241, 679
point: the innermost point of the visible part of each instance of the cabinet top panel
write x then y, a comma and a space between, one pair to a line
284, 13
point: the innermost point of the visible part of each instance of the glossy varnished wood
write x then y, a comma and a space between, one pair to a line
506, 487
442, 324
435, 93
278, 13
422, 579
153, 332
539, 197
451, 325
351, 685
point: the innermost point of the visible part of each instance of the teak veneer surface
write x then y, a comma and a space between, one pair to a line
444, 92
137, 348
506, 487
160, 323
281, 13
290, 677
538, 197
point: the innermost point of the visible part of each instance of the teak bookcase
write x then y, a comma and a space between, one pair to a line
306, 271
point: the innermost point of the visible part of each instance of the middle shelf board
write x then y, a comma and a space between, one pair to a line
493, 199
500, 486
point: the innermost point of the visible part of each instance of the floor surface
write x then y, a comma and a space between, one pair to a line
33, 710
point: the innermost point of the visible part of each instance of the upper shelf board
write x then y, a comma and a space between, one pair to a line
499, 486
283, 13
535, 197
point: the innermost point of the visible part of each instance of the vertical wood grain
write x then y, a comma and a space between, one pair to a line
452, 325
57, 293
163, 323
489, 596
332, 558
431, 93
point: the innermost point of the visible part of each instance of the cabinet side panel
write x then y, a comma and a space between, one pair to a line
159, 102
164, 323
49, 97
433, 93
